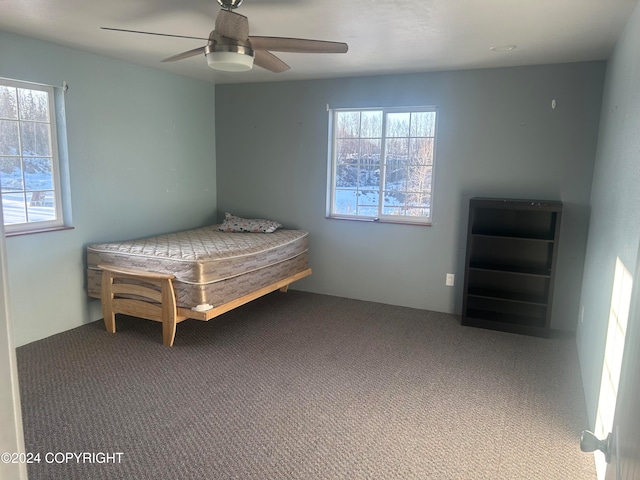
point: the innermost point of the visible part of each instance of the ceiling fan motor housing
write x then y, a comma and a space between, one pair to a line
230, 4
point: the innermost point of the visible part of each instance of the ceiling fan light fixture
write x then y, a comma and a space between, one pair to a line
229, 58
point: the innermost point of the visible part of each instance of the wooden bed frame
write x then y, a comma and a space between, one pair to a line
161, 306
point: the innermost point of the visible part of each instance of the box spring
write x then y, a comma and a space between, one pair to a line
209, 266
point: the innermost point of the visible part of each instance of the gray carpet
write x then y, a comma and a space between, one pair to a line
305, 386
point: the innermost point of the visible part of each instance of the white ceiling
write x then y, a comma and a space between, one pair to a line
393, 36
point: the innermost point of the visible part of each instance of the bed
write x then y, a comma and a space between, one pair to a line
194, 274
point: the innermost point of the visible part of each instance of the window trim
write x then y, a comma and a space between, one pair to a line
54, 110
332, 166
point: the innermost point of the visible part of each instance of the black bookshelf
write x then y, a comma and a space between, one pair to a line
510, 264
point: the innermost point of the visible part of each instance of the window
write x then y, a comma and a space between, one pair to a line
381, 165
29, 164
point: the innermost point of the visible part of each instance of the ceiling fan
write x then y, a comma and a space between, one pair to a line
230, 48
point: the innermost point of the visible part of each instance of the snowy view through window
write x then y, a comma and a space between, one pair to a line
27, 183
382, 164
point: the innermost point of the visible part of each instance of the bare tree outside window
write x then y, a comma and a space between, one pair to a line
29, 185
382, 164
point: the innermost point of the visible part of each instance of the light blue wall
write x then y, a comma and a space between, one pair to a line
498, 136
142, 161
615, 203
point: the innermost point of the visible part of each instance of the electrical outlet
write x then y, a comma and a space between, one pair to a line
451, 280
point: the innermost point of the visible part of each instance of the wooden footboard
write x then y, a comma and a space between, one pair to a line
160, 306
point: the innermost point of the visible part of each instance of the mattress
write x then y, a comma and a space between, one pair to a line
209, 266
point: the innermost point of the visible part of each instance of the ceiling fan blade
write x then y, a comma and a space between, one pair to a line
152, 33
270, 62
187, 54
232, 25
297, 45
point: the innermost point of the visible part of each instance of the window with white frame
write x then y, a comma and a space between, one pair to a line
29, 163
381, 164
